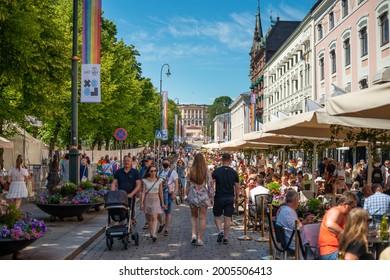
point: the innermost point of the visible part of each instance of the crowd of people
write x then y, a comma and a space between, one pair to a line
221, 181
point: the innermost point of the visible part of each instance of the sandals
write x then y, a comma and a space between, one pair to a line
146, 226
134, 222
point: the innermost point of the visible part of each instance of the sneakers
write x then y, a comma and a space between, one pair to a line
160, 229
146, 226
166, 232
193, 240
199, 243
220, 237
154, 238
225, 241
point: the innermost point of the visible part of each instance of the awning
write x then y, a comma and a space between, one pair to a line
5, 143
373, 102
382, 76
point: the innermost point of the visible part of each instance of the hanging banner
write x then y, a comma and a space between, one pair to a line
165, 110
90, 69
253, 111
176, 127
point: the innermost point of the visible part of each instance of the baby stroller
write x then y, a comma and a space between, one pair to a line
119, 211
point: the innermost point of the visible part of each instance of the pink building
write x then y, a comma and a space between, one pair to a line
352, 49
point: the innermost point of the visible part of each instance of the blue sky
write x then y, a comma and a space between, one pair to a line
206, 42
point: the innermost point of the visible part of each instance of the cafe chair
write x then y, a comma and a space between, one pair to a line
284, 236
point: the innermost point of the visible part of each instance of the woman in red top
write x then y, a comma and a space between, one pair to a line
332, 225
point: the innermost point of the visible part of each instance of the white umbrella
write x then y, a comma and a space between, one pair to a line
373, 103
237, 145
5, 143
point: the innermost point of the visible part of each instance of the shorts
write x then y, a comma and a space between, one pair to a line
223, 206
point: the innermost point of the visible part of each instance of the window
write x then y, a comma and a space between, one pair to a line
319, 28
363, 83
363, 41
344, 4
333, 61
331, 20
347, 51
384, 28
322, 69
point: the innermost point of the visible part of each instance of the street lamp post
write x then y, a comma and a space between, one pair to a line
161, 104
74, 169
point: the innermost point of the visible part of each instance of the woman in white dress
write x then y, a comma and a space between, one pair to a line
17, 178
152, 199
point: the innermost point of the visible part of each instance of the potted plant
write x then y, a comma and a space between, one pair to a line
278, 196
313, 206
17, 230
67, 201
96, 190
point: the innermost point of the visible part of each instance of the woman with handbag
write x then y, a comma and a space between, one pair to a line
152, 194
200, 196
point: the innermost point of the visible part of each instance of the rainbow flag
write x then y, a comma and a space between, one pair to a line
92, 11
165, 110
90, 68
253, 111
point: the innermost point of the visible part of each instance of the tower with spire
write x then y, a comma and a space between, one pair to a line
263, 47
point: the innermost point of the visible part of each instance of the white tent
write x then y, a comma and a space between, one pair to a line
373, 102
211, 146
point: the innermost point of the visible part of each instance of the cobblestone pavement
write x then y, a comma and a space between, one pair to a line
177, 244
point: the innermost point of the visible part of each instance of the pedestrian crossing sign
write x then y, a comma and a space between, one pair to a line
158, 135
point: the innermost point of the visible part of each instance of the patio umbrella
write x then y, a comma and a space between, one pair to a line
317, 123
212, 146
5, 143
373, 103
237, 145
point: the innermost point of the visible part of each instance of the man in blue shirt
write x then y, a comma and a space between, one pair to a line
378, 203
127, 179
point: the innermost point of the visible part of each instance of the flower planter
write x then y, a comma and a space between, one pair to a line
65, 211
12, 246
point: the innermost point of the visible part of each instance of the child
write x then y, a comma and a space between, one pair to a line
30, 185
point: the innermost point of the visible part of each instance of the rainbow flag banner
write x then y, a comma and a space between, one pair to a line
90, 69
253, 111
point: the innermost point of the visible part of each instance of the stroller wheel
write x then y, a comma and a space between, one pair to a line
125, 242
109, 242
136, 239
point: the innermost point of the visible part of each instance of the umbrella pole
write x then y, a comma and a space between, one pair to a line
313, 166
369, 163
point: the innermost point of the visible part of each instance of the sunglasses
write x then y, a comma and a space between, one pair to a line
154, 170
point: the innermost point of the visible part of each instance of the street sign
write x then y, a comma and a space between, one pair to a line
120, 134
164, 134
158, 135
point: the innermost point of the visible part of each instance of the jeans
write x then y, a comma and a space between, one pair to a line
330, 257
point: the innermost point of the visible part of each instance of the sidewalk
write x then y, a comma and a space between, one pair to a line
63, 240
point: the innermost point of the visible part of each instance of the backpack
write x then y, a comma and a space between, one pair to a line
377, 174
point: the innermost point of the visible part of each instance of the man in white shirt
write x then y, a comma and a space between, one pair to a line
259, 189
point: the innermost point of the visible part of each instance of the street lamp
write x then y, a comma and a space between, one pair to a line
177, 103
161, 109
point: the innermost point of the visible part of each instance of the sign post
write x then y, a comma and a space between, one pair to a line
120, 134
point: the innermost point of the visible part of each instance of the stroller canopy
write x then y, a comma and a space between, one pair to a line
116, 198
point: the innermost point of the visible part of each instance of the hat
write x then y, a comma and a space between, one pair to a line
148, 158
319, 179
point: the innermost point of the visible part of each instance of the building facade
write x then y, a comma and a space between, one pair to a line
288, 82
240, 116
222, 128
352, 49
193, 118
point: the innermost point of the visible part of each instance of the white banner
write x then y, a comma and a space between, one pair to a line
90, 83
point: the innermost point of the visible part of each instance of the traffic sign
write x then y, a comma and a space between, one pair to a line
164, 134
158, 135
120, 134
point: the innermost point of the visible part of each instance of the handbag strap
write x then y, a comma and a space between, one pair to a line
151, 187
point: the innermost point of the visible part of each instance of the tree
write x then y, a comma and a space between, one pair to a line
219, 106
